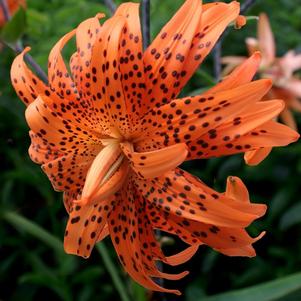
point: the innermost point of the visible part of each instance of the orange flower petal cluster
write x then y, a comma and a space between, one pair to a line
112, 132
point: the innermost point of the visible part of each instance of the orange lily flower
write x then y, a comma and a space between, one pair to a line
13, 6
286, 86
112, 134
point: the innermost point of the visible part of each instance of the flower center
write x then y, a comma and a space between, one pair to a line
107, 173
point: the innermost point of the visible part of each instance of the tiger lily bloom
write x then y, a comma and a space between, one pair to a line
286, 85
112, 133
13, 6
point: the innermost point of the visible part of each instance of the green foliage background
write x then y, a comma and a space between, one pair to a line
31, 268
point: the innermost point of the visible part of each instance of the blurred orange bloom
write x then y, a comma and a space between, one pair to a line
286, 85
13, 6
112, 133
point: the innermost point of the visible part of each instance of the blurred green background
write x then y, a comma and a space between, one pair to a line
32, 264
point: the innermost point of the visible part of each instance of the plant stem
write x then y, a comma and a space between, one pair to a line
110, 5
4, 7
17, 47
146, 22
23, 224
247, 4
101, 248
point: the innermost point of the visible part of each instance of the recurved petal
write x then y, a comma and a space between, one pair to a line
177, 196
59, 78
27, 85
86, 34
214, 21
186, 119
85, 225
62, 134
126, 232
266, 40
182, 45
214, 142
224, 239
254, 157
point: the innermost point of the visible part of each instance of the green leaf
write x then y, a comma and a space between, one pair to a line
291, 217
14, 29
268, 291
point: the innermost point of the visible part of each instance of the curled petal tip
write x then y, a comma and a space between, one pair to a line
257, 54
26, 49
100, 15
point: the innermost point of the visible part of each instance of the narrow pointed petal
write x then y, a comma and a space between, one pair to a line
125, 229
266, 40
182, 256
85, 225
155, 163
131, 55
256, 156
243, 74
237, 190
165, 57
86, 34
58, 75
27, 85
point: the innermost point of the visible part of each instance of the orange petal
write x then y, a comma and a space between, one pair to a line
131, 53
186, 119
27, 85
214, 21
58, 75
85, 225
196, 233
155, 163
165, 58
256, 156
176, 196
240, 76
237, 190
266, 40
125, 229
86, 34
